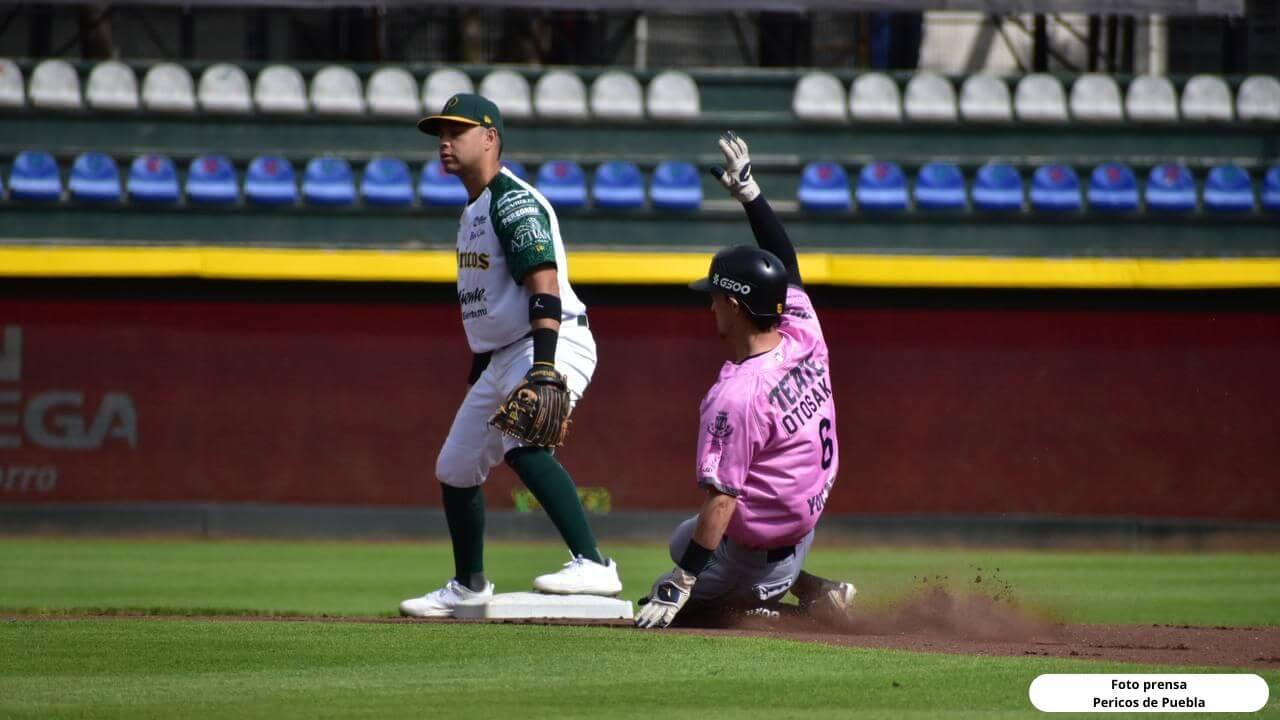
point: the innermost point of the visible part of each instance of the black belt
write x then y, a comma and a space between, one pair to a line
779, 554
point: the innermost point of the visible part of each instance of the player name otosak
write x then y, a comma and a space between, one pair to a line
1183, 692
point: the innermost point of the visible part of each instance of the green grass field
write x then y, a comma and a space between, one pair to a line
233, 668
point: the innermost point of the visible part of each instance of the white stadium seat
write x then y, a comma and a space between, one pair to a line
617, 94
336, 90
1259, 99
112, 86
673, 95
1096, 98
509, 91
560, 94
930, 98
1151, 99
443, 84
12, 91
985, 98
55, 85
280, 89
1039, 98
392, 91
168, 87
224, 88
874, 97
1206, 98
819, 96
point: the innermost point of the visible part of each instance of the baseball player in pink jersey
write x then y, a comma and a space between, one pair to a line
767, 449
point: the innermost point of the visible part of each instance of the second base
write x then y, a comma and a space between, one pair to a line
538, 605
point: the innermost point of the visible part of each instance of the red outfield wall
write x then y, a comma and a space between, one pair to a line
1163, 414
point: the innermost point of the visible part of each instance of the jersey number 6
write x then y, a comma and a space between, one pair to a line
828, 448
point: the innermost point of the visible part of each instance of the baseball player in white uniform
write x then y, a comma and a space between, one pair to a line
525, 326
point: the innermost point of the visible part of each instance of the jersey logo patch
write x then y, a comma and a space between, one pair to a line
721, 428
529, 233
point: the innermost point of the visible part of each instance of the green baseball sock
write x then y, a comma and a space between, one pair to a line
551, 485
464, 511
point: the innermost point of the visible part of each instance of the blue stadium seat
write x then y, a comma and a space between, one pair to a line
1171, 188
437, 187
824, 186
34, 176
1113, 188
328, 180
1228, 189
1055, 188
882, 187
211, 180
387, 181
618, 185
95, 178
563, 183
997, 188
940, 186
516, 169
676, 185
153, 179
1271, 190
269, 181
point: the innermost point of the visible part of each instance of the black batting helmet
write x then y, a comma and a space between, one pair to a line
754, 276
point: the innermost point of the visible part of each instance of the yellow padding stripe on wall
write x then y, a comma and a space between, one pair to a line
663, 268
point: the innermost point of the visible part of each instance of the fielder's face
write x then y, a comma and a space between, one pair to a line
464, 146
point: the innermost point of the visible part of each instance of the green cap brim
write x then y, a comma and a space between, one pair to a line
431, 123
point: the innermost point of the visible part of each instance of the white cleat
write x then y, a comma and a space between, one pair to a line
581, 576
835, 603
441, 603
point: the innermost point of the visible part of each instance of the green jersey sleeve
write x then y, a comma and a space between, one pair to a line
523, 227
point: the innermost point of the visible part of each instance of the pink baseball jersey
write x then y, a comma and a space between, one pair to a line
768, 433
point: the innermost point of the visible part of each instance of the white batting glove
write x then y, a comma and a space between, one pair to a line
735, 176
670, 593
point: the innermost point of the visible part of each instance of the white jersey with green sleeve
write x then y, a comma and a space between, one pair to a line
506, 232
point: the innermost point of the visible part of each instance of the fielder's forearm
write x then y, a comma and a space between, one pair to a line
544, 312
771, 236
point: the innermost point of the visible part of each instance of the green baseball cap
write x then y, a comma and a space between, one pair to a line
466, 108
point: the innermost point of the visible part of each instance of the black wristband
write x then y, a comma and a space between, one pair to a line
544, 306
544, 345
695, 558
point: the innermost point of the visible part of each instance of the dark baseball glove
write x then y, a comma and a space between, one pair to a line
537, 411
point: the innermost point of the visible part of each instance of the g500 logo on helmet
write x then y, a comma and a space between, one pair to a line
728, 283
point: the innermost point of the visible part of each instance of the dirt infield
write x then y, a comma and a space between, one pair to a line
994, 631
938, 620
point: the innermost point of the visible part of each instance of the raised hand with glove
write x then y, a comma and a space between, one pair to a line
735, 176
